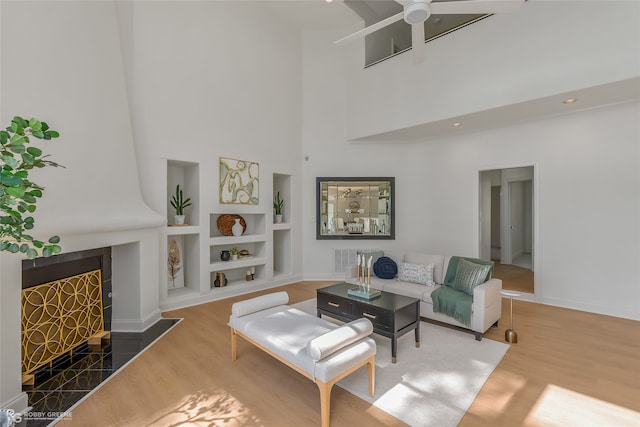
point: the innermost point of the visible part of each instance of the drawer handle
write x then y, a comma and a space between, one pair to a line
333, 304
370, 316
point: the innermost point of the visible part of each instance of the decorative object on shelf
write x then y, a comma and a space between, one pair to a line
234, 253
220, 280
179, 204
174, 263
18, 195
278, 204
510, 335
226, 221
239, 181
225, 255
354, 206
237, 229
244, 253
249, 276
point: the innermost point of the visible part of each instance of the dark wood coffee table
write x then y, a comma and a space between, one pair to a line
392, 315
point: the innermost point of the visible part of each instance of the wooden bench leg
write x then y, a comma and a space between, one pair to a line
325, 402
234, 344
371, 363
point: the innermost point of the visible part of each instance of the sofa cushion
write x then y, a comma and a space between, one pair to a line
468, 276
332, 341
405, 288
416, 273
426, 259
385, 268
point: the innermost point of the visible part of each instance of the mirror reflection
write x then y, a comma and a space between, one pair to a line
355, 208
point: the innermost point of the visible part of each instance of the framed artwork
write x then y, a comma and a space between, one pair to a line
239, 181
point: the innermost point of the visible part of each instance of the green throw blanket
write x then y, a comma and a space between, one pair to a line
454, 303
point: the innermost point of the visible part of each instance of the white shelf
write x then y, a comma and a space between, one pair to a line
182, 230
236, 240
281, 226
240, 263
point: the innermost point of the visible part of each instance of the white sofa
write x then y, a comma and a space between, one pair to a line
316, 348
487, 298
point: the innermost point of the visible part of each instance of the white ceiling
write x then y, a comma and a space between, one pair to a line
317, 14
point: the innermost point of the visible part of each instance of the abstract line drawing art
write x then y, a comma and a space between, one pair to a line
239, 181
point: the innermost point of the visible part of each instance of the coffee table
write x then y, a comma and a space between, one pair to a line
392, 315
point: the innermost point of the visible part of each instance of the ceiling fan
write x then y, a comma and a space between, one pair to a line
416, 12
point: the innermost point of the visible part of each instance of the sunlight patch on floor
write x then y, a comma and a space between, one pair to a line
204, 409
560, 407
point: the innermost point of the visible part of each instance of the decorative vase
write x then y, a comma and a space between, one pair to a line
277, 218
234, 257
178, 219
237, 228
225, 255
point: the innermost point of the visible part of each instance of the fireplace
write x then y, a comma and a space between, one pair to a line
66, 303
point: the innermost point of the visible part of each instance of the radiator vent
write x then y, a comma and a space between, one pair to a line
342, 258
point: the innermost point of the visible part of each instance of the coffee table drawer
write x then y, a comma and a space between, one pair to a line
334, 304
381, 319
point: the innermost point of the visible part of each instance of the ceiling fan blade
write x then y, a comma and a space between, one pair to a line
475, 6
417, 42
371, 28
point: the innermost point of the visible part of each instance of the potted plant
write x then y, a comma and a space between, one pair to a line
278, 203
234, 253
18, 194
179, 203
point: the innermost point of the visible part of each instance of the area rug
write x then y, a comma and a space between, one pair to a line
432, 385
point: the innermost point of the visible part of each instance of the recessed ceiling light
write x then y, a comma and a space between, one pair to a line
569, 101
456, 124
328, 1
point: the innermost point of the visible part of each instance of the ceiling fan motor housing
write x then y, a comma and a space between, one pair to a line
417, 12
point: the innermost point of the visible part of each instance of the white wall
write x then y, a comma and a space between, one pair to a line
588, 164
209, 80
539, 51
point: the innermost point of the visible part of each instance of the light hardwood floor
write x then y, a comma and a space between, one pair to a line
568, 368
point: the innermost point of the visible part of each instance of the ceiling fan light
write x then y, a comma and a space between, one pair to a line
416, 13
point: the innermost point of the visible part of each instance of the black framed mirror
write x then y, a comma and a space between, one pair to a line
355, 208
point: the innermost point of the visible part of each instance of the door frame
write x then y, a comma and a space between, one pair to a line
484, 215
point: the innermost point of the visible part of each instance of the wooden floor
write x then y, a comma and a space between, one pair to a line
568, 368
514, 278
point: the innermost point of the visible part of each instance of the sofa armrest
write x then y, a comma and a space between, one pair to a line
487, 305
487, 293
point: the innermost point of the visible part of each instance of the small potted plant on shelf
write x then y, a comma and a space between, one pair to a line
179, 204
234, 253
278, 203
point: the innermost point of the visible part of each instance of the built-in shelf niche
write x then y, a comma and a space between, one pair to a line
187, 175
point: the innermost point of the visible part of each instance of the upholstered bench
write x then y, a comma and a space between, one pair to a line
314, 347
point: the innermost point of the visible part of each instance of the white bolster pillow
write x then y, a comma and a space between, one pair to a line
262, 302
332, 341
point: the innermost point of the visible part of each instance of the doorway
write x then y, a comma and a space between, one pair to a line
507, 225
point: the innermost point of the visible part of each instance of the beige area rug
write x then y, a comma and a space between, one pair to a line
432, 385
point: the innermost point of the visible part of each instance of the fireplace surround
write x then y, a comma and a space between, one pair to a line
66, 301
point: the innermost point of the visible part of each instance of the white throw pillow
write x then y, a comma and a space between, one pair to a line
416, 273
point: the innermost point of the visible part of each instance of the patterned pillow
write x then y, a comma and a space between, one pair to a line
469, 275
385, 268
416, 273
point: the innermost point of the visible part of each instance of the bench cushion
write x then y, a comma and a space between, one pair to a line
332, 341
252, 305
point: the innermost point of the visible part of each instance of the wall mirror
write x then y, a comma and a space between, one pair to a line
355, 208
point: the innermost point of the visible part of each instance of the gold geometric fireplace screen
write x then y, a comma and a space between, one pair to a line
58, 316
